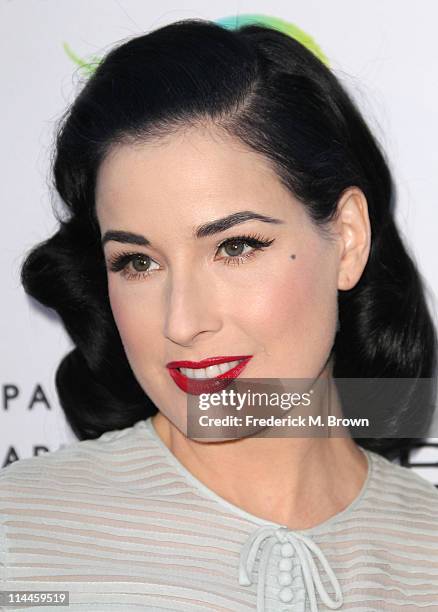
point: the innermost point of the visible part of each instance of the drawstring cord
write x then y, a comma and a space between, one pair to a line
303, 547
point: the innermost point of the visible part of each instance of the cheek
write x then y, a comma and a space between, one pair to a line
293, 316
135, 323
312, 317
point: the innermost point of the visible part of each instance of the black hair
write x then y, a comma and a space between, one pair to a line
268, 90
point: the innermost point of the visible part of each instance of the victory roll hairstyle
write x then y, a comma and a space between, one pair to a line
268, 90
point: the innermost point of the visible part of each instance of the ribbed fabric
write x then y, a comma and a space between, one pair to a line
123, 526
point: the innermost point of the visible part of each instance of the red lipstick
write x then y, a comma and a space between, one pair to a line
206, 385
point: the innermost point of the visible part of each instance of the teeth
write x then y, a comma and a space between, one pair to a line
211, 371
224, 367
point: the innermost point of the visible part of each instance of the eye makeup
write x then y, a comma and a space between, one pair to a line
124, 262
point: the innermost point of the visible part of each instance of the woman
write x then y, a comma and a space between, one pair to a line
227, 209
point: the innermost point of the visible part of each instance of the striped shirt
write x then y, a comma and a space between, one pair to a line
122, 525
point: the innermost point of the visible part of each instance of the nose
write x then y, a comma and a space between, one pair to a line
191, 307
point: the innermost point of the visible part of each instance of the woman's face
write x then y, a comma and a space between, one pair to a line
183, 297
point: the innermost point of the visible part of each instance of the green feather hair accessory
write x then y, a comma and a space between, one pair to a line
275, 23
87, 67
231, 23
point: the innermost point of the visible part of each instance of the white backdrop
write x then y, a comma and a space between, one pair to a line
384, 51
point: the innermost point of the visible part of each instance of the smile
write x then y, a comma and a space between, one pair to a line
210, 372
207, 376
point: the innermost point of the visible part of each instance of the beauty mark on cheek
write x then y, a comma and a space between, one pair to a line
293, 256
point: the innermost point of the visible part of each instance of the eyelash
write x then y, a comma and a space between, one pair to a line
120, 261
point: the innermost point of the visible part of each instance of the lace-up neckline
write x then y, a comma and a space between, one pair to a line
296, 570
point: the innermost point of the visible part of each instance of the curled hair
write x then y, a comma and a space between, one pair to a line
266, 89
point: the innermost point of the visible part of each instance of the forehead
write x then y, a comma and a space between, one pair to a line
188, 172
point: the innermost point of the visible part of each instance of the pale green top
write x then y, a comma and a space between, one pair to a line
122, 525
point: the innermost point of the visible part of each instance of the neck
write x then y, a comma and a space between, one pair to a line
296, 482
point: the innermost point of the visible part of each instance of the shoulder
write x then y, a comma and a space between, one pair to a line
96, 460
36, 493
403, 489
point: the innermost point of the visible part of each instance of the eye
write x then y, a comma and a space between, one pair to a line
235, 248
139, 263
134, 266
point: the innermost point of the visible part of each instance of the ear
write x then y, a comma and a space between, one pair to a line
352, 225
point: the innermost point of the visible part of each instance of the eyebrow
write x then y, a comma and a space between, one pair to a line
207, 229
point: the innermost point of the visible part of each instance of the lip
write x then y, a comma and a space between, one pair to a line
211, 385
205, 362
